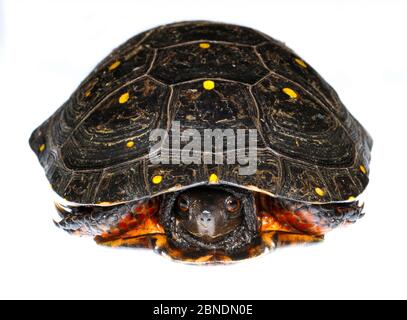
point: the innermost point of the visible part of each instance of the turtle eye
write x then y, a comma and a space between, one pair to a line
232, 204
183, 203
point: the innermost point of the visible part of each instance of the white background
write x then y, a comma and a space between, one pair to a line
48, 47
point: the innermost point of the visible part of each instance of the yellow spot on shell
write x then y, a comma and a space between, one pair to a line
351, 198
130, 144
157, 179
213, 178
208, 85
319, 191
114, 65
204, 45
104, 203
42, 148
300, 62
291, 93
363, 169
124, 97
87, 93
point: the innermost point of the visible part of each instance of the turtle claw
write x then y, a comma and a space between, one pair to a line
69, 225
90, 221
62, 211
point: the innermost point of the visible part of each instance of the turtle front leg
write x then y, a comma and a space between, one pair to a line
316, 219
118, 225
89, 220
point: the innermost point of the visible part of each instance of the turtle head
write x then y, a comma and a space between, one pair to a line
210, 217
207, 213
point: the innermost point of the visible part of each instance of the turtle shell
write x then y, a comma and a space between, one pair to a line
95, 148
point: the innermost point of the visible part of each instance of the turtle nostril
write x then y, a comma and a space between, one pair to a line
205, 219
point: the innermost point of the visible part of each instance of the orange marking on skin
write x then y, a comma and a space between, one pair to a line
267, 239
144, 222
285, 239
160, 240
122, 225
292, 219
269, 223
206, 258
276, 218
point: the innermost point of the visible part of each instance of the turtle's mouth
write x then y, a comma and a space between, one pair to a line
203, 233
209, 238
206, 240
